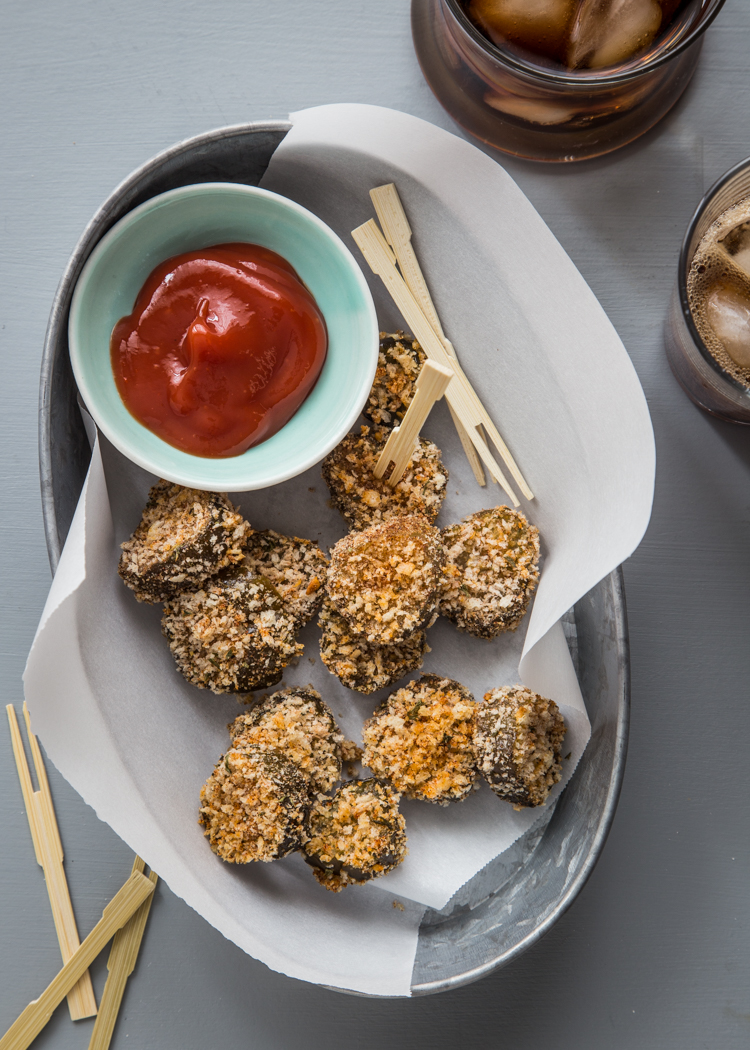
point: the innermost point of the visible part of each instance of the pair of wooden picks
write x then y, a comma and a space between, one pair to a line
124, 918
387, 252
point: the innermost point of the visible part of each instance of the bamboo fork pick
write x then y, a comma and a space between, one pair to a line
431, 384
49, 854
397, 232
122, 959
32, 1020
460, 395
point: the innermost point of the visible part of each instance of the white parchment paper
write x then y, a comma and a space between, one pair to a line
137, 741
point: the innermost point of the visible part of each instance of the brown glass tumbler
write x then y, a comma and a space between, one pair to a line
696, 369
541, 111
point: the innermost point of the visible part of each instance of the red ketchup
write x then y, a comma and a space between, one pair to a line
222, 347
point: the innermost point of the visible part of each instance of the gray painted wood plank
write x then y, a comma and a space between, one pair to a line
656, 952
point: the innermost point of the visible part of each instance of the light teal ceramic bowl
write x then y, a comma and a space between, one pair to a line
195, 217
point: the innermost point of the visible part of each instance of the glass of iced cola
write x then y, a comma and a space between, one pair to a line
708, 327
559, 80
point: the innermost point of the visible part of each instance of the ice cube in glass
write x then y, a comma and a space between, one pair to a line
605, 32
728, 313
736, 244
540, 25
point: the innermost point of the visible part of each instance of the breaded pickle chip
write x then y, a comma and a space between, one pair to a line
253, 806
491, 571
365, 500
385, 580
297, 724
296, 567
233, 635
356, 835
399, 363
517, 744
361, 666
184, 537
420, 739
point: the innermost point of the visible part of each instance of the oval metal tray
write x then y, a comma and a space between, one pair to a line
520, 895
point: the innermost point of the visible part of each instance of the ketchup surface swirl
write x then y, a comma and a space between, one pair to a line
222, 347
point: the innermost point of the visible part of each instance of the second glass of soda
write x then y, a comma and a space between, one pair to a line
708, 329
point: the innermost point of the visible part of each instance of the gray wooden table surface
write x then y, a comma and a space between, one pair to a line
656, 951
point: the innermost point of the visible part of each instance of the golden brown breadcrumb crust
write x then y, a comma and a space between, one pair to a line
296, 567
253, 806
361, 666
385, 580
400, 360
491, 571
365, 500
296, 723
421, 740
356, 835
232, 636
184, 537
517, 742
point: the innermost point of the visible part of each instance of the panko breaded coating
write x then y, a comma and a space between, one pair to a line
297, 724
399, 362
253, 806
491, 571
356, 835
517, 743
385, 580
232, 636
296, 567
361, 666
184, 537
365, 500
420, 739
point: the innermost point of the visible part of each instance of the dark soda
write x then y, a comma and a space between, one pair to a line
559, 80
575, 34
